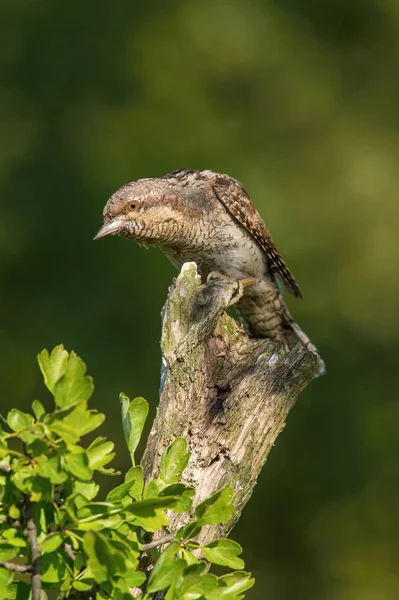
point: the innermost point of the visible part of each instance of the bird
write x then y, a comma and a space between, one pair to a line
208, 218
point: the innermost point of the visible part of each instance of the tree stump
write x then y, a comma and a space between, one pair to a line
227, 394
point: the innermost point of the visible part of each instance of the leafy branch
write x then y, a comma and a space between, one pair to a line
54, 528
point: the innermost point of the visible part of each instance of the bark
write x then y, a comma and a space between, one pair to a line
228, 395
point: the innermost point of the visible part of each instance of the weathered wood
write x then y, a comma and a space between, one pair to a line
227, 394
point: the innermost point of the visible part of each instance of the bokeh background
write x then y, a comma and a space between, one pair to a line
298, 99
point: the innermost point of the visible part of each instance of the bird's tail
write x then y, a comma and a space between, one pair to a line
293, 333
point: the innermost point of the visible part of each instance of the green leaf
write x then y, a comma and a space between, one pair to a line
167, 569
151, 523
174, 461
73, 423
8, 551
92, 510
103, 562
51, 543
83, 585
150, 514
38, 448
101, 523
52, 568
18, 590
65, 585
64, 375
183, 493
134, 578
77, 463
14, 512
120, 492
15, 537
97, 565
6, 578
146, 507
216, 508
53, 366
22, 476
51, 469
233, 584
170, 594
87, 489
18, 420
189, 531
190, 558
38, 409
134, 415
135, 474
108, 472
74, 386
224, 552
43, 515
100, 452
126, 538
27, 437
40, 488
153, 488
195, 586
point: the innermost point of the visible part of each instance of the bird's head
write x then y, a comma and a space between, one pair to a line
155, 211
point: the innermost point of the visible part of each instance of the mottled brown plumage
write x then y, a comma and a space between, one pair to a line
209, 218
239, 204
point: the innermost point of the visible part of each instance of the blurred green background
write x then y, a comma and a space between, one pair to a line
298, 99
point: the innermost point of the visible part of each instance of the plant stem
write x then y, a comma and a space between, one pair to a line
14, 567
166, 539
35, 551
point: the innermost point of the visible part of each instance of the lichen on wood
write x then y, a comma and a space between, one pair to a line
227, 394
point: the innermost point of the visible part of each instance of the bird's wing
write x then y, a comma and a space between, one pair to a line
238, 203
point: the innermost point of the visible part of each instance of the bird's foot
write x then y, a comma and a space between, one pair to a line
241, 284
247, 281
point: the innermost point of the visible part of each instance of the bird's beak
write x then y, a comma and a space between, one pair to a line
111, 228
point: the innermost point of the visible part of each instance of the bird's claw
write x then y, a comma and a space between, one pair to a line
247, 281
241, 284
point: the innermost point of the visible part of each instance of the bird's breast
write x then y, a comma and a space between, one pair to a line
230, 251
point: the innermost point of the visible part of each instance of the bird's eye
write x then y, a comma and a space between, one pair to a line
133, 205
